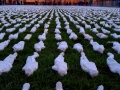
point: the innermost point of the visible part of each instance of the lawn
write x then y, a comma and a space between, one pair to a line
44, 78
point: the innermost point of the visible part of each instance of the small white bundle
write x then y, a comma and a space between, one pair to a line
26, 86
46, 31
97, 26
58, 26
46, 26
88, 66
59, 65
78, 47
2, 35
69, 31
59, 86
97, 47
67, 27
4, 44
7, 24
10, 30
114, 35
87, 36
78, 26
94, 30
73, 36
105, 31
33, 30
37, 25
66, 23
13, 36
107, 25
21, 30
57, 31
6, 64
1, 28
28, 36
102, 23
116, 47
113, 65
87, 26
39, 46
100, 87
101, 35
58, 37
19, 46
17, 25
81, 30
62, 46
42, 37
31, 64
27, 25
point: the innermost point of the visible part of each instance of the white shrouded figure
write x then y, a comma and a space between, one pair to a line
33, 30
81, 30
59, 86
62, 46
10, 30
31, 64
94, 30
73, 36
6, 64
42, 37
100, 87
2, 35
46, 26
78, 47
19, 46
88, 66
26, 86
57, 31
101, 35
113, 65
4, 44
59, 65
58, 37
116, 46
39, 46
69, 31
97, 47
87, 36
13, 36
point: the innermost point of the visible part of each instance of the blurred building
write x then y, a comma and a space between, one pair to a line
64, 2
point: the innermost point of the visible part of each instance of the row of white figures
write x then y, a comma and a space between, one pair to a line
6, 64
57, 31
72, 35
59, 86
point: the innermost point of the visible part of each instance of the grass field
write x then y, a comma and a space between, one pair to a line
45, 78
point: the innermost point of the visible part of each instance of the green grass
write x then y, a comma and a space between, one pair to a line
45, 78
